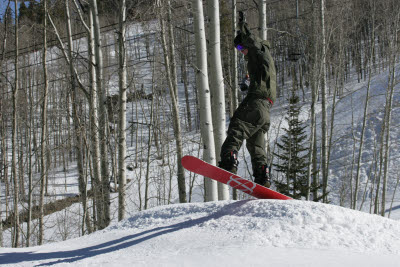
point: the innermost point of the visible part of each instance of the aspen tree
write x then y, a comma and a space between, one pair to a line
217, 86
14, 144
103, 122
122, 111
234, 94
175, 108
76, 117
206, 125
324, 131
43, 150
3, 159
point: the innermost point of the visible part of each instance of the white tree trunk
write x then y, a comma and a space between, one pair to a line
206, 125
234, 95
43, 150
14, 144
76, 118
170, 68
94, 122
217, 86
175, 107
3, 160
104, 221
324, 131
147, 177
312, 177
313, 102
389, 104
262, 19
122, 112
234, 64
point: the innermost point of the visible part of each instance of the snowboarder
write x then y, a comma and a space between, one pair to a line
251, 119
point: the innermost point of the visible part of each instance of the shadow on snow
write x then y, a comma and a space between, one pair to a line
111, 246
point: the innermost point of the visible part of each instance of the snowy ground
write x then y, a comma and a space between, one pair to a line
229, 233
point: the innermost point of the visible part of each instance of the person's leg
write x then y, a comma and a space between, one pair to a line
256, 147
237, 132
240, 128
251, 116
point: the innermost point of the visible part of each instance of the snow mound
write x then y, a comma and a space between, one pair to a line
276, 223
228, 233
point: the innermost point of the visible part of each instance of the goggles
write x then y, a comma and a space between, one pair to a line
240, 47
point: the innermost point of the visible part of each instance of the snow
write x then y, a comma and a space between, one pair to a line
229, 233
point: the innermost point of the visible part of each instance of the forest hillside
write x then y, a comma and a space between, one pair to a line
101, 99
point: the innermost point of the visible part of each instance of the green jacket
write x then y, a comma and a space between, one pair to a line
261, 66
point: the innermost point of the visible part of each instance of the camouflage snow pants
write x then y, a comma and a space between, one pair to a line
250, 122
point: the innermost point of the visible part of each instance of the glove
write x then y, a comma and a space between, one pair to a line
241, 17
242, 25
244, 85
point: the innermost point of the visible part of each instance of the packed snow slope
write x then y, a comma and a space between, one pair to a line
229, 233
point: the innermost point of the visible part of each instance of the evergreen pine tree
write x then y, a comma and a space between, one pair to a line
293, 154
23, 11
8, 16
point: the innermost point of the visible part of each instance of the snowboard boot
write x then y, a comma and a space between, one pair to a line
262, 176
229, 162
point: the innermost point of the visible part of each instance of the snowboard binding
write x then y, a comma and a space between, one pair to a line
230, 162
262, 176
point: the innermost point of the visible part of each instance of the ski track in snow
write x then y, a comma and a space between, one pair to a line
229, 233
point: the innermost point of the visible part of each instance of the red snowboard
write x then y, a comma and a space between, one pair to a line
198, 166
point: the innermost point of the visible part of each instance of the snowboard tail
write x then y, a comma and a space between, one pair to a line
203, 168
